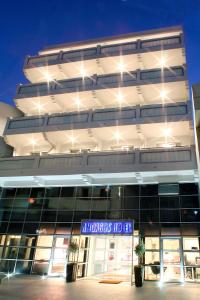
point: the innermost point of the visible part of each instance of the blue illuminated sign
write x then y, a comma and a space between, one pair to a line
107, 227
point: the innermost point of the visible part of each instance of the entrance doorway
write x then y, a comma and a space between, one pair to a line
171, 260
111, 257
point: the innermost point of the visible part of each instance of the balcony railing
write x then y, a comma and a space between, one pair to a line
104, 51
138, 160
102, 82
104, 117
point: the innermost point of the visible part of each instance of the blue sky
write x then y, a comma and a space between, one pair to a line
28, 26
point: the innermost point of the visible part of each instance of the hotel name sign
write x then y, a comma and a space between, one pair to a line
104, 227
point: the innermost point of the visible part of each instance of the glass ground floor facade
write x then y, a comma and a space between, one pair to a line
36, 225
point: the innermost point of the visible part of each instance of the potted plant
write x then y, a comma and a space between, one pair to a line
71, 269
139, 269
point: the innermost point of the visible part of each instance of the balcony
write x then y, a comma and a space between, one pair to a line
128, 167
127, 89
105, 59
100, 118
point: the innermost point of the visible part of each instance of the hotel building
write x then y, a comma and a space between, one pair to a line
105, 133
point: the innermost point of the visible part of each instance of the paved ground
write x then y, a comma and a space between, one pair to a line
56, 289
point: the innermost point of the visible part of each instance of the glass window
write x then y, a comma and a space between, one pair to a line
79, 216
149, 202
100, 204
65, 216
83, 204
33, 215
67, 192
13, 240
192, 258
171, 215
45, 241
152, 243
131, 190
63, 228
191, 243
18, 215
169, 202
171, 244
52, 192
149, 216
190, 215
149, 190
98, 215
190, 201
37, 192
51, 203
5, 215
48, 216
152, 257
23, 193
6, 203
131, 214
68, 203
15, 227
27, 241
84, 192
189, 189
131, 203
42, 254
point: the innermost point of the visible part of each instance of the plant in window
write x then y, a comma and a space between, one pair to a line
139, 269
71, 270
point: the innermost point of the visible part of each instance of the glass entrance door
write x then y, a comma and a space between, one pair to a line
59, 254
171, 260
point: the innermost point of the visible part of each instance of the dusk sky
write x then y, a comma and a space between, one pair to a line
28, 26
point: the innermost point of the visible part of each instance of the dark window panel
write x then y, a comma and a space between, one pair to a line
190, 215
65, 216
149, 216
149, 190
3, 227
7, 266
67, 203
51, 203
101, 192
131, 215
170, 215
21, 203
23, 193
15, 228
131, 190
8, 193
191, 230
48, 216
26, 253
83, 215
30, 228
4, 215
99, 204
131, 202
67, 192
84, 192
18, 215
173, 229
83, 204
27, 241
23, 267
76, 228
33, 215
114, 214
169, 202
37, 192
6, 203
188, 189
190, 201
98, 215
47, 228
52, 192
35, 203
150, 202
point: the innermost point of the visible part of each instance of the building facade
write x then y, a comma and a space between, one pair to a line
107, 134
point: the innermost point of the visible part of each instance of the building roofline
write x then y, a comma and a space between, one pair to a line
115, 37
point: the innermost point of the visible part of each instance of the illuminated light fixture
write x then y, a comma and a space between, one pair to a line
72, 139
117, 135
121, 66
39, 106
78, 101
163, 94
48, 77
163, 62
83, 71
167, 132
33, 142
31, 200
120, 97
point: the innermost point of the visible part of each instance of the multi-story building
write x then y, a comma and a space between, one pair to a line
107, 134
